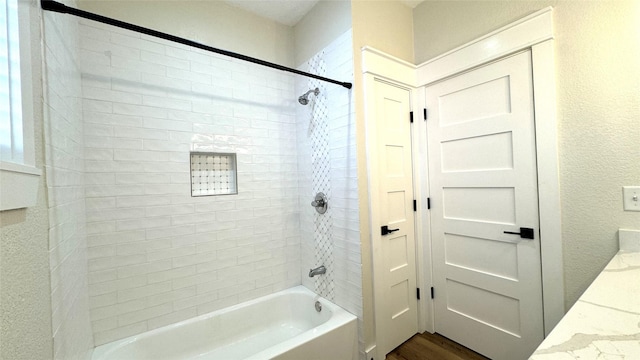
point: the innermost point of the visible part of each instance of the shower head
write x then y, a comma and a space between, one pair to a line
304, 99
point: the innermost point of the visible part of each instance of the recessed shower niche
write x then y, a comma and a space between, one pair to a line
213, 174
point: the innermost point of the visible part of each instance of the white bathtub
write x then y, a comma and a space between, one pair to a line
282, 326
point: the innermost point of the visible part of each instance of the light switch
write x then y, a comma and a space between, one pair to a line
631, 198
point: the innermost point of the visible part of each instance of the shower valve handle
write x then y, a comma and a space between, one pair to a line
320, 203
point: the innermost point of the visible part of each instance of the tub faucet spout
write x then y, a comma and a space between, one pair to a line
317, 271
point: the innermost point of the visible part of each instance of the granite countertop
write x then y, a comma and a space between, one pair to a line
605, 322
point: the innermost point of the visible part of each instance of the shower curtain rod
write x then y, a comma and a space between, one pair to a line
55, 6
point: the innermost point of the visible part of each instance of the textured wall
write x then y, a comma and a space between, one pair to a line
25, 306
319, 27
385, 25
213, 23
64, 161
598, 82
440, 26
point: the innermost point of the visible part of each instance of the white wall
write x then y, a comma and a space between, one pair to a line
64, 154
327, 21
212, 23
598, 82
156, 254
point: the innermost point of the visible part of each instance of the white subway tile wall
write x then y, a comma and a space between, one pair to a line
64, 169
344, 244
157, 255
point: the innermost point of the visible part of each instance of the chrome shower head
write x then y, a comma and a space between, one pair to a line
304, 99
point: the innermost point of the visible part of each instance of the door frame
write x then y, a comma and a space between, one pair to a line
533, 32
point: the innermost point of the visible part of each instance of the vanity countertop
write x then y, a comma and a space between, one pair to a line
605, 322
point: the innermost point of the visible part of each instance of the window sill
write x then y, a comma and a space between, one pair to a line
19, 185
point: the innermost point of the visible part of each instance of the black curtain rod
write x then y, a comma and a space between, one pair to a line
55, 6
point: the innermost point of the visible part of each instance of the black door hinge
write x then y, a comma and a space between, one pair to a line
415, 205
428, 203
411, 116
425, 113
432, 293
418, 293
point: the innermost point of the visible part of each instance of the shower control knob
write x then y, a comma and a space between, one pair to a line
320, 203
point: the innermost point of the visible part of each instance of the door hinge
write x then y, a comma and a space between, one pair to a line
432, 293
425, 113
415, 205
418, 293
429, 203
411, 116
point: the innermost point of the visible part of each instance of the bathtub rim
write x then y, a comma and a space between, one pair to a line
340, 317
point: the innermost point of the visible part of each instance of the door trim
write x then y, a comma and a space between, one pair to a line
381, 66
407, 72
519, 35
536, 33
372, 142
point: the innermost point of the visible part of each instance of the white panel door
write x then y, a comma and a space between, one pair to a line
396, 305
481, 141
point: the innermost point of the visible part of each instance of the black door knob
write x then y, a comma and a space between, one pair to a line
525, 233
384, 230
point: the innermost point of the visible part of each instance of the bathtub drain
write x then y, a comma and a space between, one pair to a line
318, 306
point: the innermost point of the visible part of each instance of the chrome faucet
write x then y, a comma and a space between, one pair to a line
317, 271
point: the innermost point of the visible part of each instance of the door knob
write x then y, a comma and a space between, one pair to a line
525, 233
384, 230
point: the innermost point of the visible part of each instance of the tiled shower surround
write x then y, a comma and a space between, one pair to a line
156, 254
315, 123
327, 163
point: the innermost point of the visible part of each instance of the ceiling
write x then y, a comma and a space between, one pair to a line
287, 12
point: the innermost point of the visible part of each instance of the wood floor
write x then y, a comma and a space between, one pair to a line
432, 347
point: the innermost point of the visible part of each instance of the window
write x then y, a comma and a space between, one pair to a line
18, 176
11, 138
